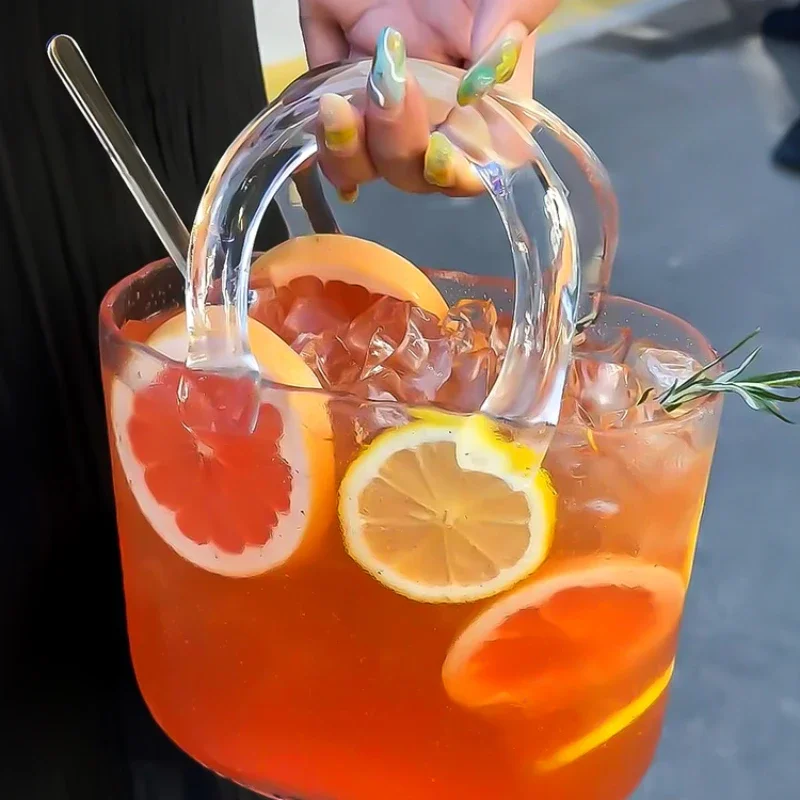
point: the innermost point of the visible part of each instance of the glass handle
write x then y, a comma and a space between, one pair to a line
598, 244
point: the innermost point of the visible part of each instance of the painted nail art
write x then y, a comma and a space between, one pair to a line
439, 165
496, 66
348, 196
387, 78
338, 123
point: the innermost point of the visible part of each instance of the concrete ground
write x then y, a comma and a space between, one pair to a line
684, 107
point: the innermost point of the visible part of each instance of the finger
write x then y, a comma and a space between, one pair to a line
496, 64
447, 168
491, 18
396, 117
323, 37
485, 132
498, 43
341, 139
521, 82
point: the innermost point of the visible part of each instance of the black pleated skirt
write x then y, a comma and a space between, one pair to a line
185, 77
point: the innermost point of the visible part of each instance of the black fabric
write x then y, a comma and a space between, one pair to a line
185, 77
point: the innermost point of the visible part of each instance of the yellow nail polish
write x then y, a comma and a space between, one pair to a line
341, 140
338, 123
439, 161
348, 196
496, 66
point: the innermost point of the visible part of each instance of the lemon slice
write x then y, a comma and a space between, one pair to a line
444, 510
615, 724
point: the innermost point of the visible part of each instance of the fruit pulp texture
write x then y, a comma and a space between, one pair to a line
316, 681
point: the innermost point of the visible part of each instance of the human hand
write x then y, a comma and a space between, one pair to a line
493, 39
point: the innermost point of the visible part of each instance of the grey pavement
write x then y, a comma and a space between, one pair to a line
710, 231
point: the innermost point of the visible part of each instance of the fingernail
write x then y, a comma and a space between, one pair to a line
497, 65
338, 124
348, 196
439, 167
387, 78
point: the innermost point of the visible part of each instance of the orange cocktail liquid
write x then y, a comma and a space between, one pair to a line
316, 681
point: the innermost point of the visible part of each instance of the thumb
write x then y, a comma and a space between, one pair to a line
501, 39
323, 37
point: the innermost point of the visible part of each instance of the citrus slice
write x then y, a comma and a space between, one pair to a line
237, 505
589, 645
335, 257
610, 727
444, 510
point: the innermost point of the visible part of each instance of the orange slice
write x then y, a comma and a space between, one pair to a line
588, 649
232, 504
350, 261
443, 510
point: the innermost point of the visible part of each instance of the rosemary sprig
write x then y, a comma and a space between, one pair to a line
759, 392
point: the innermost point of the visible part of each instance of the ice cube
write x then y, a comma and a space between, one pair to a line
433, 373
660, 452
469, 325
381, 384
327, 356
377, 332
573, 413
472, 376
601, 387
501, 334
649, 411
370, 419
313, 314
268, 309
660, 368
414, 350
613, 346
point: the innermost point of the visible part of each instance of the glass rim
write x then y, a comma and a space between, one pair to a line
699, 409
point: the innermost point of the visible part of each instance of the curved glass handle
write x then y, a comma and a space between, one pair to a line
597, 222
596, 218
281, 141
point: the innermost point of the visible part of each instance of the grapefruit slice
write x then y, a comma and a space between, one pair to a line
232, 504
350, 263
588, 649
443, 510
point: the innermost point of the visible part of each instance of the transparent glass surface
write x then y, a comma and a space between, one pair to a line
509, 142
313, 680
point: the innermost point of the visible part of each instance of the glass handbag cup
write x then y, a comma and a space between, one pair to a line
392, 528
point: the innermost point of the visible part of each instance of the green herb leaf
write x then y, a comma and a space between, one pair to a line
759, 392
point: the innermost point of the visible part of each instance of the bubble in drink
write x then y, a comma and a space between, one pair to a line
659, 368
